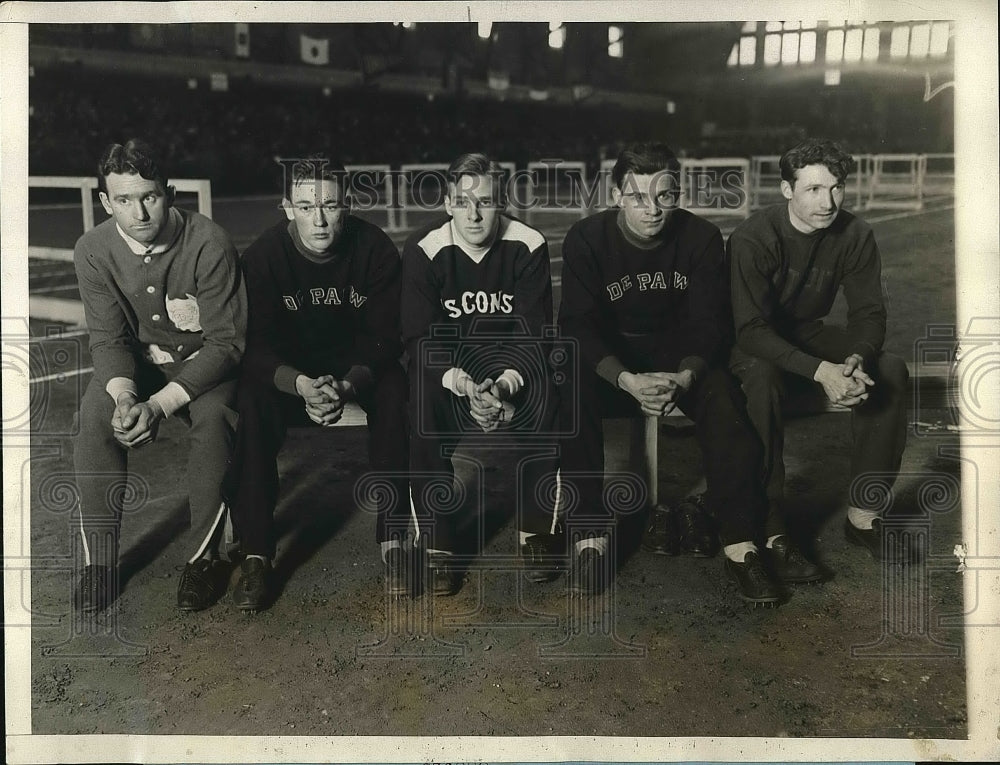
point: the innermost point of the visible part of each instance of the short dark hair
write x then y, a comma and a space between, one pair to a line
477, 163
315, 167
134, 157
644, 159
816, 151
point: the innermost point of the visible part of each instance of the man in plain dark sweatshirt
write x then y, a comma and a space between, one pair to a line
787, 264
644, 295
323, 294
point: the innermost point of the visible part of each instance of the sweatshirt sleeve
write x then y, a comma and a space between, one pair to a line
706, 331
753, 265
377, 345
222, 304
866, 315
420, 299
263, 360
113, 345
582, 315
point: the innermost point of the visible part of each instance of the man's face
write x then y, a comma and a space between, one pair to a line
647, 201
140, 207
319, 212
815, 198
474, 206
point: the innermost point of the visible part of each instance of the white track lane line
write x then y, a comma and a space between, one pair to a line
61, 375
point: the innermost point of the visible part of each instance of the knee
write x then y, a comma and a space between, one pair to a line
96, 410
892, 371
760, 379
392, 388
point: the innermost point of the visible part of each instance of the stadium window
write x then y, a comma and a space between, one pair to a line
852, 45
920, 41
899, 46
807, 48
616, 42
790, 48
808, 24
734, 55
834, 46
557, 34
791, 26
831, 77
773, 26
749, 27
748, 51
772, 50
870, 47
940, 33
484, 28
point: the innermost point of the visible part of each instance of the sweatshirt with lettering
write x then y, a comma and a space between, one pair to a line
491, 298
783, 278
335, 314
616, 285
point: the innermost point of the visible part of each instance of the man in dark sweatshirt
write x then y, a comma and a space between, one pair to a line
644, 294
476, 296
323, 292
166, 312
788, 263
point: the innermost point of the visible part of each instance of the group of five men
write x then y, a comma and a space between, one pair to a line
657, 313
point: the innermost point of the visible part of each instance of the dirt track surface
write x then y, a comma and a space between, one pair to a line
669, 651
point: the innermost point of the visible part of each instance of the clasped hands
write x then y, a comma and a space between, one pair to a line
656, 392
845, 384
488, 402
135, 423
325, 397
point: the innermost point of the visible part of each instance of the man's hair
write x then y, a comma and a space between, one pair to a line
816, 151
644, 159
134, 157
477, 164
314, 168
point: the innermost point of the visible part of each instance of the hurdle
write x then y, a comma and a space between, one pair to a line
412, 177
538, 177
897, 181
373, 173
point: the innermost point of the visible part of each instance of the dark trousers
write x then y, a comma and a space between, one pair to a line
252, 483
730, 450
101, 465
878, 425
439, 420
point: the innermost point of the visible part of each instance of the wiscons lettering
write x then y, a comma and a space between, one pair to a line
479, 302
322, 296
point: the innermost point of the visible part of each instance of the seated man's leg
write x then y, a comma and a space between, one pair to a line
251, 483
434, 431
764, 388
100, 463
212, 419
388, 449
732, 455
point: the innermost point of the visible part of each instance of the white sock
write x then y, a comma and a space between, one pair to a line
738, 551
861, 519
770, 540
598, 543
386, 546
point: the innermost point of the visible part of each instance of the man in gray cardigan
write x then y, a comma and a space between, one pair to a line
166, 312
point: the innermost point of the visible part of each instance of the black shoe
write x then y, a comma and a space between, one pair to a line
661, 537
97, 589
541, 557
253, 588
200, 585
696, 528
396, 580
589, 574
756, 585
892, 549
790, 565
445, 578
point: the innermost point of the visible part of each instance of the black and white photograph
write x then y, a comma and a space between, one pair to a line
469, 382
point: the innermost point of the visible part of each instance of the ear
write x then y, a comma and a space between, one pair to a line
616, 196
286, 205
786, 190
447, 205
170, 195
105, 202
